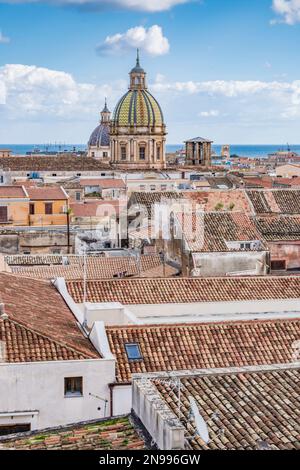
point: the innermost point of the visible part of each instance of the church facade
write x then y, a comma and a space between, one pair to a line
137, 129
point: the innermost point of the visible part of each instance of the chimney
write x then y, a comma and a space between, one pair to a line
3, 315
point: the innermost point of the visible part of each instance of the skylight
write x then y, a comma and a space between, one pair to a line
133, 351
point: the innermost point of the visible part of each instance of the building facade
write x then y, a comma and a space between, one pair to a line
137, 130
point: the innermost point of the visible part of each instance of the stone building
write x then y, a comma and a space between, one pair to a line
98, 145
198, 152
137, 130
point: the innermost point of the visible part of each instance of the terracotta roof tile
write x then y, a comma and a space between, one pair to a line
12, 192
245, 411
37, 305
115, 434
104, 183
199, 346
279, 227
186, 290
97, 267
48, 193
210, 231
21, 344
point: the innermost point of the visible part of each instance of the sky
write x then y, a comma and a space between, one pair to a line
224, 70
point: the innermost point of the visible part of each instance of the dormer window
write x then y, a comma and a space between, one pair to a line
133, 351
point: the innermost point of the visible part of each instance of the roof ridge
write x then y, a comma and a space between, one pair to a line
203, 324
31, 330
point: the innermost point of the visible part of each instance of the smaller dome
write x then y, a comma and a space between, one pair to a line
100, 136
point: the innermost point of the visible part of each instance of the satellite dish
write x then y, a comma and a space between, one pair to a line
201, 425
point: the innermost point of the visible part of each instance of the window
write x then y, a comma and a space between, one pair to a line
152, 187
3, 214
54, 174
278, 265
73, 386
142, 153
31, 209
123, 152
142, 187
1, 179
77, 196
48, 208
133, 352
105, 154
158, 153
6, 429
163, 187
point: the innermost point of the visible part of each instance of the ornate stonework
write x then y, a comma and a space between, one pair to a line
137, 129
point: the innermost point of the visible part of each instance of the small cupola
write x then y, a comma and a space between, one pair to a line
137, 75
105, 113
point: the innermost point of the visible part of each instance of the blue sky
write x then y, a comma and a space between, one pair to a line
227, 70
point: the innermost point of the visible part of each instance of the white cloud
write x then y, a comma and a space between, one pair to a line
150, 40
4, 39
139, 5
288, 9
280, 99
211, 113
41, 93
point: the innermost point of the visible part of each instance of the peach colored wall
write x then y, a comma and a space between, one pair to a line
289, 251
17, 211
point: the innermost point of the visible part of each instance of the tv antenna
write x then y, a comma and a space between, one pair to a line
200, 424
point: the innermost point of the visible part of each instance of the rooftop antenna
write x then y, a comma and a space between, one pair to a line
201, 426
138, 57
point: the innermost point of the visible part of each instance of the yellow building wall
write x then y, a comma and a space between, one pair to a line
40, 218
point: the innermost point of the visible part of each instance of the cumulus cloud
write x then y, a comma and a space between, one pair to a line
40, 92
3, 39
139, 5
151, 40
282, 98
289, 10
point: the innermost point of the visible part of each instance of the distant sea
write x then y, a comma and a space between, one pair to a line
240, 150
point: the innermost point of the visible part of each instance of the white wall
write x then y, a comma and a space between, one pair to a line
40, 386
214, 311
122, 399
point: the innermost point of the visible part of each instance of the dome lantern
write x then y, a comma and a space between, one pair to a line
137, 75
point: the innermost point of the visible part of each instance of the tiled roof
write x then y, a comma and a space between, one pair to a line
12, 192
104, 183
234, 200
206, 345
245, 411
279, 227
285, 201
22, 344
37, 305
60, 163
209, 232
50, 193
114, 434
97, 208
186, 290
149, 199
99, 267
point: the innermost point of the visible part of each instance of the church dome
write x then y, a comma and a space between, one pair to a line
100, 136
138, 108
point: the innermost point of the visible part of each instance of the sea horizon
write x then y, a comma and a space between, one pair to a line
242, 150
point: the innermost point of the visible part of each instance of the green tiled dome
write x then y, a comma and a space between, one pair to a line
138, 108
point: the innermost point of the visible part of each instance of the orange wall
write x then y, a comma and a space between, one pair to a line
40, 218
